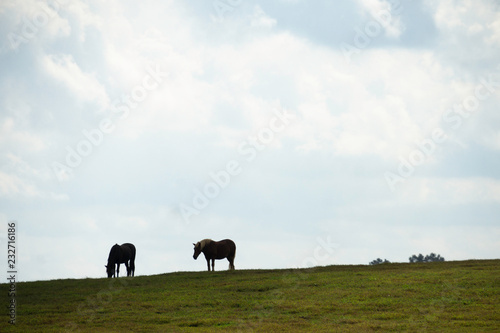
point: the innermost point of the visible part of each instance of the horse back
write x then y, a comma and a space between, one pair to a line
128, 250
224, 248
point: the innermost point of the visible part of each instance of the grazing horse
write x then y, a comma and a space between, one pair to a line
216, 250
121, 254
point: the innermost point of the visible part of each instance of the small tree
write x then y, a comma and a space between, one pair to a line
428, 258
379, 261
433, 257
419, 258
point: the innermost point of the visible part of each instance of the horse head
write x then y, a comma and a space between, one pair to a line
110, 269
197, 250
198, 247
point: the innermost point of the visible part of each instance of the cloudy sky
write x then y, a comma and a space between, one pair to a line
309, 132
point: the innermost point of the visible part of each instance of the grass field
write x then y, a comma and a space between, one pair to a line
461, 296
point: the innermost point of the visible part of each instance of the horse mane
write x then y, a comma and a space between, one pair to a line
115, 249
204, 242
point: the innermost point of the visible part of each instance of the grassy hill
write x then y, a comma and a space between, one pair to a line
462, 296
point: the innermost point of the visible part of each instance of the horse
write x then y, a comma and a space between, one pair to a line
121, 254
216, 250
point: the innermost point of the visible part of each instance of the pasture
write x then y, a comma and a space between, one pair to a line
432, 297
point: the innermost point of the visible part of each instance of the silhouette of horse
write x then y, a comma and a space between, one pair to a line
216, 250
121, 254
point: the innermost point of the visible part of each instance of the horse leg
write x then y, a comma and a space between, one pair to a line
213, 265
118, 270
132, 267
208, 264
127, 267
231, 263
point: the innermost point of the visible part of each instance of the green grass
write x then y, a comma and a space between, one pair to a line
462, 296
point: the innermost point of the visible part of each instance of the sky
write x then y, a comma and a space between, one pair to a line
311, 133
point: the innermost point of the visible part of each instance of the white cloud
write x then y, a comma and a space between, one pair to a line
365, 109
12, 136
451, 191
260, 19
32, 22
469, 30
13, 187
387, 12
85, 86
494, 27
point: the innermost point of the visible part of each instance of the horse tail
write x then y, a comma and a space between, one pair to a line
132, 259
133, 252
232, 255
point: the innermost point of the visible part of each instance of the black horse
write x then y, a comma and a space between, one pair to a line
216, 250
121, 254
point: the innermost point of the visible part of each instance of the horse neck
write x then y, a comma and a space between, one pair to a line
114, 255
204, 244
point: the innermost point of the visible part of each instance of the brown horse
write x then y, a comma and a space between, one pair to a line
121, 254
216, 250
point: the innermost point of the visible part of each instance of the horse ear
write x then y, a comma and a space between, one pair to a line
194, 244
106, 266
